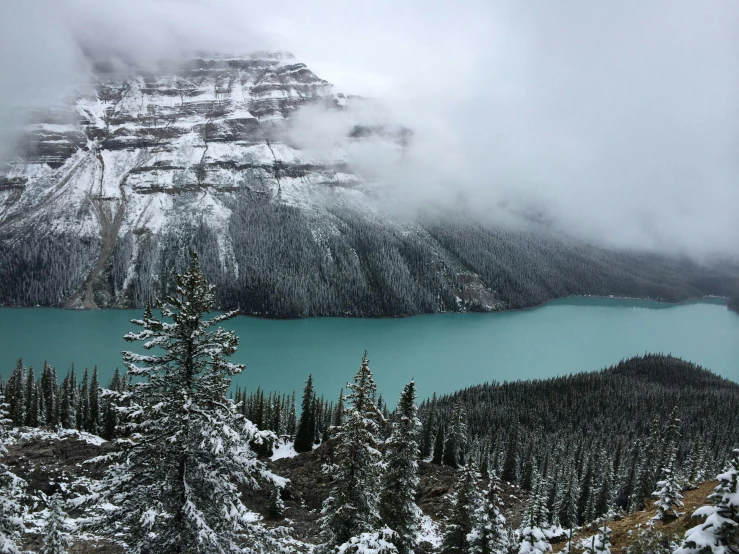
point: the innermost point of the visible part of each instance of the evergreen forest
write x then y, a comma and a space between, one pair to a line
287, 262
187, 454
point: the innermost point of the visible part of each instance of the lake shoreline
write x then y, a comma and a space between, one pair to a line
709, 299
443, 354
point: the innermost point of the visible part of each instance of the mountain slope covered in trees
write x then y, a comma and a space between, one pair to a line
107, 196
612, 436
604, 435
603, 405
185, 467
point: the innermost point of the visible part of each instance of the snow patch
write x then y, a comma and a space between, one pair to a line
283, 449
429, 532
32, 434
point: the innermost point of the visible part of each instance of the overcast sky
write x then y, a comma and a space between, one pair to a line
618, 119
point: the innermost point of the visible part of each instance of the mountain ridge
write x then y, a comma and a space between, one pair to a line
107, 196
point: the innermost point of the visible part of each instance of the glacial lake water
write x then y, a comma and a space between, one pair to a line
444, 352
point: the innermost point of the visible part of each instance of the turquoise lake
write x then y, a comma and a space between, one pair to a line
444, 352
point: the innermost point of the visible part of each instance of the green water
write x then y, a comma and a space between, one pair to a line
443, 352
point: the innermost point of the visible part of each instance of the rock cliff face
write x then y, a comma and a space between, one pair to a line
109, 194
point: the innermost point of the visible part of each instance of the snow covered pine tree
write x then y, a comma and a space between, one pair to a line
55, 539
11, 523
533, 538
352, 507
491, 534
173, 487
720, 532
668, 494
307, 423
599, 543
465, 501
456, 439
400, 478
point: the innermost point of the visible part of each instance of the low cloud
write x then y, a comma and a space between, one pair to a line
618, 122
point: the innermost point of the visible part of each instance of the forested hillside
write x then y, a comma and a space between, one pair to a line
496, 468
108, 194
617, 404
610, 425
601, 440
281, 267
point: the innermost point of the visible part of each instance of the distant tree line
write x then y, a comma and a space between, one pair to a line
606, 435
274, 412
44, 402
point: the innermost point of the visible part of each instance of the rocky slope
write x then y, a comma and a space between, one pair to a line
108, 193
52, 463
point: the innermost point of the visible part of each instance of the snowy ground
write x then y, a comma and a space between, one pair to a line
283, 449
28, 434
429, 532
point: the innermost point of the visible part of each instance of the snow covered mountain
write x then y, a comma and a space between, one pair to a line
109, 193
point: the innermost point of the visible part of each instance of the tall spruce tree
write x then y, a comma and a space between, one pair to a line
456, 438
584, 502
83, 408
566, 508
94, 403
69, 405
668, 491
427, 436
31, 411
65, 403
462, 514
292, 423
176, 487
16, 394
669, 495
352, 507
646, 476
693, 464
338, 416
438, 445
604, 498
306, 424
529, 469
11, 488
400, 476
55, 530
670, 438
510, 463
534, 523
110, 411
628, 478
490, 533
48, 390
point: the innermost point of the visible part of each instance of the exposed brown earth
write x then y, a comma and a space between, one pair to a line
626, 528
